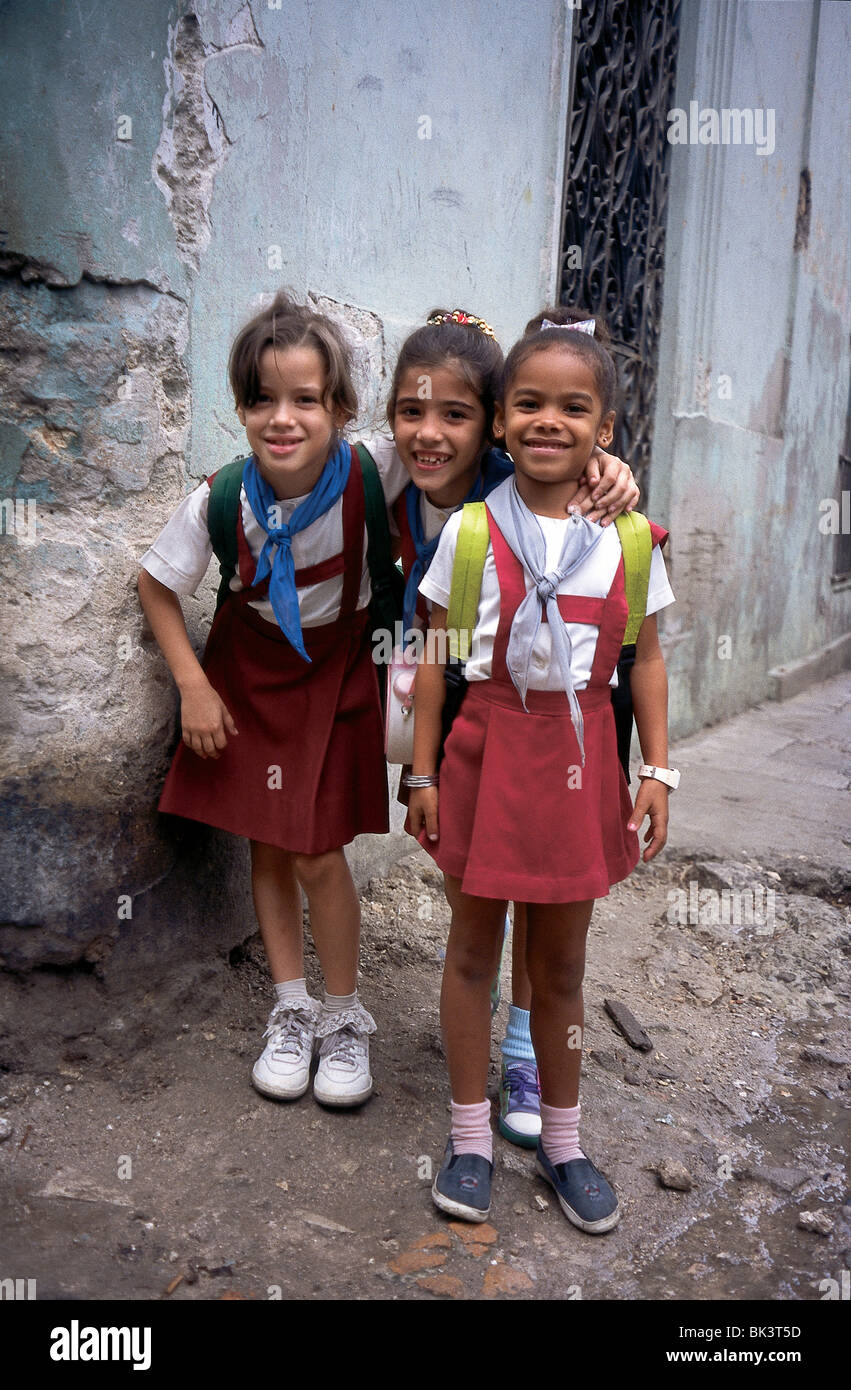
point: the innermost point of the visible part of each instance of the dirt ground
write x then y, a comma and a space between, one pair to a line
169, 1177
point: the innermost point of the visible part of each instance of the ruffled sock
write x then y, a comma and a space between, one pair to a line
293, 991
338, 1010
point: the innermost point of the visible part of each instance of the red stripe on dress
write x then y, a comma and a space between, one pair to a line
579, 608
512, 591
348, 562
247, 562
612, 628
325, 569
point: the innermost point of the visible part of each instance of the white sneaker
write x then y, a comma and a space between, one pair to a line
283, 1070
343, 1076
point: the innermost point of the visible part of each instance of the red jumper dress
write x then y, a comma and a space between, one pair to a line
519, 818
306, 771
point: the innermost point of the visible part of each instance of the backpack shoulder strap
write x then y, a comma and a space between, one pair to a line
378, 549
222, 514
467, 571
637, 545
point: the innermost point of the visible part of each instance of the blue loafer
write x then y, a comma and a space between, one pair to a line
583, 1193
462, 1188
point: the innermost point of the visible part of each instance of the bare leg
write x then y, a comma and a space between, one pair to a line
334, 913
277, 902
521, 985
556, 963
334, 916
472, 954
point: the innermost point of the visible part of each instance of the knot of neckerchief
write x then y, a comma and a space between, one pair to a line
424, 549
524, 536
276, 558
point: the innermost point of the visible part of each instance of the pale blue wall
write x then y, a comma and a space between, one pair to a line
75, 197
129, 264
739, 479
327, 164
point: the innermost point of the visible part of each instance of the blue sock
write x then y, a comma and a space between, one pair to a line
517, 1046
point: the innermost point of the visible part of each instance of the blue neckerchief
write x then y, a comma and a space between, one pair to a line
276, 556
425, 549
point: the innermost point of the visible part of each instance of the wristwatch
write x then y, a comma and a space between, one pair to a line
669, 775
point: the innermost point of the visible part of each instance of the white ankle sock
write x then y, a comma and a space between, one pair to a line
288, 990
333, 1003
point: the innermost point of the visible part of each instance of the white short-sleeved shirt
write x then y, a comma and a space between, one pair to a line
181, 554
592, 578
433, 518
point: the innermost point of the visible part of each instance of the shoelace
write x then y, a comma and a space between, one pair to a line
522, 1083
342, 1046
288, 1030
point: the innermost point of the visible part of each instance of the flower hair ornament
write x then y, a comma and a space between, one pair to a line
460, 316
583, 326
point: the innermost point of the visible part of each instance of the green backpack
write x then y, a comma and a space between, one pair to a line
386, 579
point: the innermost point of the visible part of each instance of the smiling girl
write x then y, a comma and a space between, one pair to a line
281, 723
531, 803
441, 409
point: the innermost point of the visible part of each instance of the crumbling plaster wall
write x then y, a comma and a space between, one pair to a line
166, 165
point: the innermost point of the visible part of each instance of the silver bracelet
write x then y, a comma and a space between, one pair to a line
415, 779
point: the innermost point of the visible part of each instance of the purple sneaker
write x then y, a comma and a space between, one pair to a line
520, 1104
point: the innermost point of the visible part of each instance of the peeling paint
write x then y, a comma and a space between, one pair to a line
192, 143
162, 152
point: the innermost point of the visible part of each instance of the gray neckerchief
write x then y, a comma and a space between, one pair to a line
525, 537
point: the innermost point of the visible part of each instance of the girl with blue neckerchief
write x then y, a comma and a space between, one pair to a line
282, 738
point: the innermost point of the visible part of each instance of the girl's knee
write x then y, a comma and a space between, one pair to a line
473, 970
473, 962
557, 978
313, 869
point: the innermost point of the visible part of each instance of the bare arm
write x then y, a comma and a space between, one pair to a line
649, 683
428, 707
607, 489
204, 717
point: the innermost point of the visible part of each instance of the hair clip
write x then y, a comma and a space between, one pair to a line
459, 316
583, 326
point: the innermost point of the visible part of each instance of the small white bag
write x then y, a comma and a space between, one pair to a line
399, 718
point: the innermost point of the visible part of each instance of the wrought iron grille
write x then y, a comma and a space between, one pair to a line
623, 69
